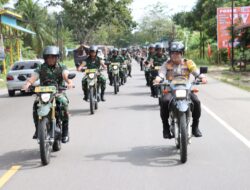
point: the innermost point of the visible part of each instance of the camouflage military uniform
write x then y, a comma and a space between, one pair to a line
101, 79
115, 59
157, 61
127, 58
147, 72
49, 76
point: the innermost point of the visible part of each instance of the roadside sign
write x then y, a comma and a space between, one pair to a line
224, 20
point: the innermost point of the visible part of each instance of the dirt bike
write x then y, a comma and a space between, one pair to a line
115, 76
49, 117
181, 108
152, 75
124, 72
93, 89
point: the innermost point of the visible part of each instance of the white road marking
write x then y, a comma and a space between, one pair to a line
227, 126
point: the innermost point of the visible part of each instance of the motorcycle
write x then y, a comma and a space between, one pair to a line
93, 89
49, 117
147, 70
181, 108
115, 76
153, 73
141, 63
124, 72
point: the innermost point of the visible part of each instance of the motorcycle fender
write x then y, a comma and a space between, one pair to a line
92, 83
44, 110
182, 105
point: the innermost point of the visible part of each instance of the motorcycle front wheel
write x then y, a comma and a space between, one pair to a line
43, 135
115, 85
183, 137
91, 100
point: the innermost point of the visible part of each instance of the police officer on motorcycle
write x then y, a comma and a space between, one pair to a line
53, 71
94, 62
177, 66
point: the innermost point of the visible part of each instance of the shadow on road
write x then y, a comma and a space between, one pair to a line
18, 95
27, 158
137, 94
151, 156
140, 107
79, 112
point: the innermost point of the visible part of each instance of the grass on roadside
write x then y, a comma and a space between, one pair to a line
2, 81
225, 74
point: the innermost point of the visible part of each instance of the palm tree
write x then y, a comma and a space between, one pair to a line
36, 19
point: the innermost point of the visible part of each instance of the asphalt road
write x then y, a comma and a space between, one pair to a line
121, 147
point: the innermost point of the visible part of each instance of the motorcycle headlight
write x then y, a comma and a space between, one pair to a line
91, 75
180, 93
45, 97
115, 67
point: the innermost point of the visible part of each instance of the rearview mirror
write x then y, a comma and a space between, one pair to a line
22, 78
203, 70
71, 75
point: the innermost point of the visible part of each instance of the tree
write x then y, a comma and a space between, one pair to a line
85, 17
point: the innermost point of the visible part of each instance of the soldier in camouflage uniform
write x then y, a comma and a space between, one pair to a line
157, 60
94, 62
49, 73
151, 53
127, 58
115, 58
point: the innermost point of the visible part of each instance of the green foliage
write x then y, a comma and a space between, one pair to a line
86, 18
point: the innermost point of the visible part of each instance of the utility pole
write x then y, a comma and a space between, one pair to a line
232, 43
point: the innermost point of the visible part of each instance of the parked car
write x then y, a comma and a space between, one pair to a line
25, 67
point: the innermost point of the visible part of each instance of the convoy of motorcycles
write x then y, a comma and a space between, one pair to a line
50, 116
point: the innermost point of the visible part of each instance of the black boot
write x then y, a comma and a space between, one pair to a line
35, 134
65, 134
195, 129
102, 96
85, 95
166, 132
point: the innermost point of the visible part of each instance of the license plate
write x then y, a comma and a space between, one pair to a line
90, 71
45, 89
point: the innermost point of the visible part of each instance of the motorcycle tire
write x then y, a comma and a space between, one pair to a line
43, 135
183, 137
91, 100
115, 85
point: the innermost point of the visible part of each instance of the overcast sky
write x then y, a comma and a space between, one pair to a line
138, 6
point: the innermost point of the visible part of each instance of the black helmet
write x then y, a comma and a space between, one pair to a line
159, 46
177, 47
151, 46
93, 48
51, 50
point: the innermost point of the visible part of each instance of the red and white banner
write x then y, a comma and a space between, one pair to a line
224, 21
